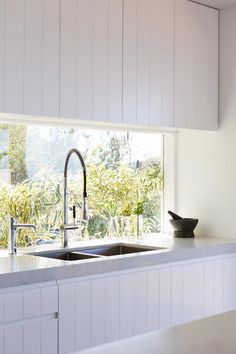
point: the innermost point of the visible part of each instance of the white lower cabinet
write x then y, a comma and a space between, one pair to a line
28, 320
98, 310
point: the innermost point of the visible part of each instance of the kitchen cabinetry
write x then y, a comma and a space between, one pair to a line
98, 310
151, 63
91, 60
29, 57
28, 320
196, 66
148, 59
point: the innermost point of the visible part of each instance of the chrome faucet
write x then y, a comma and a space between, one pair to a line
85, 215
13, 228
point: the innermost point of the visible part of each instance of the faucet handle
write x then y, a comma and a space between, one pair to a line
74, 213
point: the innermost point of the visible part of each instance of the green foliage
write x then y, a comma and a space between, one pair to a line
117, 191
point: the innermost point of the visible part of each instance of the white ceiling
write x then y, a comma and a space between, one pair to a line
218, 4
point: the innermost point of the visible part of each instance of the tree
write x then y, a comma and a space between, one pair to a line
17, 153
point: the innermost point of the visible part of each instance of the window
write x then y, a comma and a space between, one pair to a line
124, 181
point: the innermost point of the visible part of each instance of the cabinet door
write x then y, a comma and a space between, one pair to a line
148, 60
193, 291
41, 57
39, 337
29, 57
196, 66
91, 60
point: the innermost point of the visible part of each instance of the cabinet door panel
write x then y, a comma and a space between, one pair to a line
14, 56
1, 341
153, 298
98, 312
168, 64
148, 58
91, 60
193, 292
49, 334
32, 303
32, 340
176, 295
67, 318
219, 286
2, 53
165, 298
140, 303
126, 305
83, 315
112, 309
228, 281
2, 308
14, 340
209, 289
50, 58
33, 57
14, 306
196, 66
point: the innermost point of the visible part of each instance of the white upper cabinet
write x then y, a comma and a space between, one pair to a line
91, 60
196, 66
29, 57
138, 62
148, 62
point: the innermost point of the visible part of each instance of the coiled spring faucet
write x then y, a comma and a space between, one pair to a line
85, 214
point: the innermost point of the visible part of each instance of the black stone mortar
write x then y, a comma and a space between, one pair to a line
183, 227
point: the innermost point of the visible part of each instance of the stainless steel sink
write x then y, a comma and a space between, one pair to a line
97, 251
66, 255
119, 249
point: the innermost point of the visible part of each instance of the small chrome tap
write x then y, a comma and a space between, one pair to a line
85, 215
13, 228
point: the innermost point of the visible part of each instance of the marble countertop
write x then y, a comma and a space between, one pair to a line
214, 335
23, 269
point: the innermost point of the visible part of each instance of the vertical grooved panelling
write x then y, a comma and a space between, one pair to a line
176, 295
196, 66
67, 318
130, 62
193, 293
114, 88
49, 337
156, 73
209, 279
168, 64
83, 315
14, 56
50, 57
100, 56
1, 341
126, 305
165, 298
13, 340
112, 309
85, 57
2, 308
219, 286
143, 61
153, 297
228, 281
140, 303
33, 57
2, 53
32, 338
68, 69
98, 312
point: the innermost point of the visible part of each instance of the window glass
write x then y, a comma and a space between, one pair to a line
124, 182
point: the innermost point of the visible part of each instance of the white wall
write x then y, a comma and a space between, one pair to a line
206, 165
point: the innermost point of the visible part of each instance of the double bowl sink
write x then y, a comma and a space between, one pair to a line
97, 251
